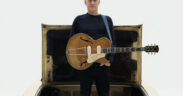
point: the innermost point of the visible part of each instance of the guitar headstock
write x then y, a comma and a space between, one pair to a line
152, 49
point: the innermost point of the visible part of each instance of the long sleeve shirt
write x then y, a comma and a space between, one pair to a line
93, 25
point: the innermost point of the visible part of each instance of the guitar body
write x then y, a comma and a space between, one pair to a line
82, 51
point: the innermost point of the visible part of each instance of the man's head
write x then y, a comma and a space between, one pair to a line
92, 5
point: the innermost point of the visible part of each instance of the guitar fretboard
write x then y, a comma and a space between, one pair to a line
122, 49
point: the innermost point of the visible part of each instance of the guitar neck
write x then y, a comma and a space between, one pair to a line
122, 49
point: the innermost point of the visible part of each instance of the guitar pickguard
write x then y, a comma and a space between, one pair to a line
94, 57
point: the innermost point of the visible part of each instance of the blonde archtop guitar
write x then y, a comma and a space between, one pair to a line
82, 50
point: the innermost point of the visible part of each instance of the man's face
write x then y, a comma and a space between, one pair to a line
92, 5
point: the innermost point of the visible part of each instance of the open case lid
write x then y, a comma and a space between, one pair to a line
126, 67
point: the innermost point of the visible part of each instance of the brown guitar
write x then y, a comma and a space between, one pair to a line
82, 50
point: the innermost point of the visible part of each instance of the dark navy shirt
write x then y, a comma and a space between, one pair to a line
93, 25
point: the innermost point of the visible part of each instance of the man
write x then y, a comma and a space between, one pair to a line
92, 24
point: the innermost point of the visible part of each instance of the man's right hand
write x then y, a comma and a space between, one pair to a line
106, 64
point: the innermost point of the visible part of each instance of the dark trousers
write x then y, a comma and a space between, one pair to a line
100, 75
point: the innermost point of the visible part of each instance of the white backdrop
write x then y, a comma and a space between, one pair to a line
20, 39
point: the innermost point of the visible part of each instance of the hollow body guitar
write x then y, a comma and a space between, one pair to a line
82, 50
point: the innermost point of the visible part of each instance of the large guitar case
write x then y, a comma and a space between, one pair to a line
59, 78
